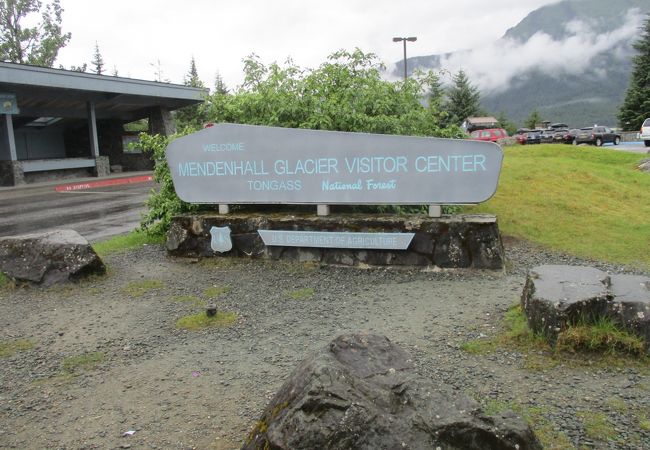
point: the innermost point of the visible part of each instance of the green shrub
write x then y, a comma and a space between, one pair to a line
162, 204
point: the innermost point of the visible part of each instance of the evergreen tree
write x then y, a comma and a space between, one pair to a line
463, 99
533, 120
98, 61
504, 123
190, 116
37, 45
636, 106
219, 86
436, 91
192, 77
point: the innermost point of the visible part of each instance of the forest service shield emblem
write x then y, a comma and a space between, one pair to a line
221, 241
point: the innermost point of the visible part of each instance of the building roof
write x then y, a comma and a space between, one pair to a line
479, 120
42, 91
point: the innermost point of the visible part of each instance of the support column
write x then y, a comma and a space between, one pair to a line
161, 122
102, 164
11, 171
92, 130
10, 140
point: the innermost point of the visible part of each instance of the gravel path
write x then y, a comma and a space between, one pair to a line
180, 389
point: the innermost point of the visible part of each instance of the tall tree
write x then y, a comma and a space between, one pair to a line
463, 99
192, 77
436, 91
190, 116
219, 85
504, 123
98, 61
636, 106
38, 45
533, 120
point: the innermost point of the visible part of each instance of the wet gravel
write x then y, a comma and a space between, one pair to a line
204, 389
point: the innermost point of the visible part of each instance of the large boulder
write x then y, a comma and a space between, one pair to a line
557, 296
362, 392
48, 258
630, 305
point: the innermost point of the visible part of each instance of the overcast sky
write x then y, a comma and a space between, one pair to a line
134, 35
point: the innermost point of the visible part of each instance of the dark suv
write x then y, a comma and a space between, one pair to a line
597, 136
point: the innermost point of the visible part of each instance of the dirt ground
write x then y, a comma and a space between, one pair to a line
108, 368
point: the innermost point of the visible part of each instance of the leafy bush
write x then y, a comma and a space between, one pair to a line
162, 204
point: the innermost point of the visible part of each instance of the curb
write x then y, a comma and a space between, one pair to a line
102, 183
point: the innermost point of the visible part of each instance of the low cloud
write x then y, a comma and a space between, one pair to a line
493, 67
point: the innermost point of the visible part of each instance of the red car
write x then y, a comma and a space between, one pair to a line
491, 134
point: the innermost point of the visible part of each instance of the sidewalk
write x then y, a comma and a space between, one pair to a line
72, 184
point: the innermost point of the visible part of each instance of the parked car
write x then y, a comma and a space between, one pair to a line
490, 134
597, 136
645, 132
533, 137
560, 135
524, 136
521, 135
547, 136
566, 136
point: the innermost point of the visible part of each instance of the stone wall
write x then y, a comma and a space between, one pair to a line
449, 242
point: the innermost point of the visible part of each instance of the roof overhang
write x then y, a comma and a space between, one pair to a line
44, 91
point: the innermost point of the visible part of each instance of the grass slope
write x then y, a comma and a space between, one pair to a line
587, 201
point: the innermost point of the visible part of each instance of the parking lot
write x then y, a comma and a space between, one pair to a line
637, 147
96, 212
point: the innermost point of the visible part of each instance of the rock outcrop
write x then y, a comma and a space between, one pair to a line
48, 258
555, 297
362, 392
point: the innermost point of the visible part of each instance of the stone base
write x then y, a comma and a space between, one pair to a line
11, 173
102, 166
459, 241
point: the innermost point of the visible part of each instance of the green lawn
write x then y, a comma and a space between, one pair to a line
587, 201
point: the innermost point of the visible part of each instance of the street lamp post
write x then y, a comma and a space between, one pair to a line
404, 39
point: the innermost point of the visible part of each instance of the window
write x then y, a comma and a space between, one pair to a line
127, 141
485, 134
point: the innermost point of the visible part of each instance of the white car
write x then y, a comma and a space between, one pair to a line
645, 132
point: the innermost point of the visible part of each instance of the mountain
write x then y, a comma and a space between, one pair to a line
570, 60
